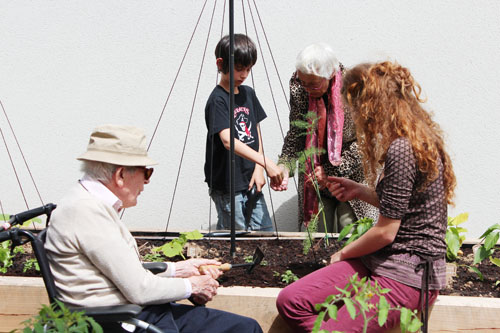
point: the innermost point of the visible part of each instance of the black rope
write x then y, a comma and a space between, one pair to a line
280, 81
14, 169
246, 33
276, 109
275, 66
176, 75
21, 152
190, 116
212, 141
3, 213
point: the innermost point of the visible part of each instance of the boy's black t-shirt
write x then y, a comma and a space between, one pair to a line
247, 114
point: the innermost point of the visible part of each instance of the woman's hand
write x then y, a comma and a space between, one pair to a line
342, 188
274, 173
336, 257
191, 267
320, 176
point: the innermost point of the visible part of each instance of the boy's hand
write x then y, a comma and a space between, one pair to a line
284, 183
257, 178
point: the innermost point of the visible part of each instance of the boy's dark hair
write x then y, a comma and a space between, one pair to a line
245, 52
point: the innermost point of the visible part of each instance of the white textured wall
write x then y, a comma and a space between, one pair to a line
67, 66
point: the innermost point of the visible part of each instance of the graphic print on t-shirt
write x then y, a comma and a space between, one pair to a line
243, 125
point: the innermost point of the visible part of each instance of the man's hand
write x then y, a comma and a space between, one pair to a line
343, 189
191, 267
204, 288
284, 183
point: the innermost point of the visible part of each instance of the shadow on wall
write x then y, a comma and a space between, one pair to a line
286, 215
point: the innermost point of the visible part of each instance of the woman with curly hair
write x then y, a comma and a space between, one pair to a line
316, 86
412, 182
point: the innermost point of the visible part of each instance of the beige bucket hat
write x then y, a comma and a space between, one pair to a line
119, 145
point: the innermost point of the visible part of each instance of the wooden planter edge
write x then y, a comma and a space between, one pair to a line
21, 298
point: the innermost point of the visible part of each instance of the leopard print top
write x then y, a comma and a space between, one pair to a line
350, 166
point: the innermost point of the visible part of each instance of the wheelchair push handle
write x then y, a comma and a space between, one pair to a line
29, 214
4, 236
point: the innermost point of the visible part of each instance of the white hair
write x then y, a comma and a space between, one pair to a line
317, 59
99, 170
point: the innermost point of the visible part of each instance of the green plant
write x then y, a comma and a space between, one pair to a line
304, 162
153, 257
58, 318
6, 255
486, 248
454, 236
287, 277
248, 259
357, 297
30, 264
356, 229
311, 228
176, 246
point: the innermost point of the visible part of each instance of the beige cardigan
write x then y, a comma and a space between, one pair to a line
95, 260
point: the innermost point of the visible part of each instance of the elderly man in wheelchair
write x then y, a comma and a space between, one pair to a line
95, 260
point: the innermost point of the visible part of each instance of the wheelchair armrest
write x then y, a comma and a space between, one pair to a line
112, 313
155, 267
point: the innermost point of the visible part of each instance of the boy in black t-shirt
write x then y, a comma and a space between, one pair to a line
250, 162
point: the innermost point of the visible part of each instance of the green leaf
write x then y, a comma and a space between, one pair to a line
350, 307
477, 271
453, 242
490, 229
171, 249
481, 254
405, 318
361, 302
415, 325
193, 235
459, 219
491, 240
332, 311
383, 311
495, 261
318, 321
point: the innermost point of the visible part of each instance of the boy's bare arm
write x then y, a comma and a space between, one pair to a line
241, 149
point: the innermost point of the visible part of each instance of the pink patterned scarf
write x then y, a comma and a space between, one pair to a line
333, 126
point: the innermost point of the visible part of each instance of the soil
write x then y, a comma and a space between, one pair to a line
282, 255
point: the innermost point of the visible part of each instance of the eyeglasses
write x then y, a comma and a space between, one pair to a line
147, 172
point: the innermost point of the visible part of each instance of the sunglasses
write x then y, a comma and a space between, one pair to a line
147, 172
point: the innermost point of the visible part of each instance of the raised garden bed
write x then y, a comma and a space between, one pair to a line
22, 296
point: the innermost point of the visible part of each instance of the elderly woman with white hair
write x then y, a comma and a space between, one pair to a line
316, 86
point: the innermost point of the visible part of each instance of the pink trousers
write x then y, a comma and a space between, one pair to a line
296, 302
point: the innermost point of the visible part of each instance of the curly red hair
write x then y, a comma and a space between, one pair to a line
386, 104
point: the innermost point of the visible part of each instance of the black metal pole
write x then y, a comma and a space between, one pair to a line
231, 123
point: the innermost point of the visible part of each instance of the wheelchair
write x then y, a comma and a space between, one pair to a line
104, 315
